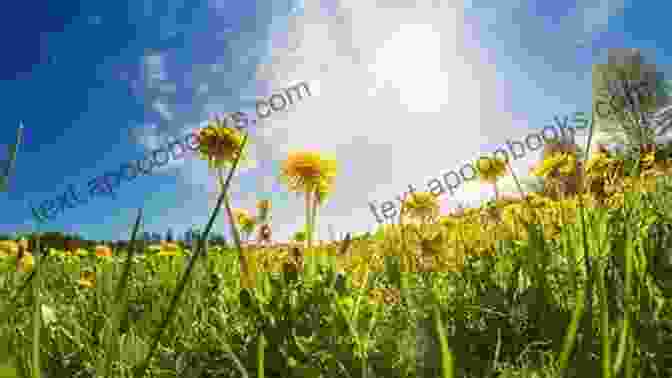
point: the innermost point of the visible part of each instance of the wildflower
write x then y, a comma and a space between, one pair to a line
491, 169
87, 279
103, 251
648, 159
310, 173
241, 215
598, 164
422, 205
169, 249
246, 221
218, 144
617, 200
303, 171
26, 263
565, 163
9, 248
383, 295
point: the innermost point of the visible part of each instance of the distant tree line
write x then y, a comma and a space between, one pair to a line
71, 242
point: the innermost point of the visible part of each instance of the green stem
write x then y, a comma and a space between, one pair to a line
260, 355
310, 263
234, 229
36, 313
604, 322
624, 337
139, 371
11, 161
570, 336
629, 367
447, 361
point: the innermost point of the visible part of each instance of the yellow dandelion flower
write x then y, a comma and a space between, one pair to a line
597, 164
9, 248
570, 165
218, 144
27, 263
559, 161
87, 279
648, 159
617, 200
490, 169
244, 220
103, 251
240, 215
169, 249
303, 171
422, 205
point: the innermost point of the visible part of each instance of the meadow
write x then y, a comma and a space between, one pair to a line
573, 281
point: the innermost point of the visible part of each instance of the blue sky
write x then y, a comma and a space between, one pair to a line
400, 94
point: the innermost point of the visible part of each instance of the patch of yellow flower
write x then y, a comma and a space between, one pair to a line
490, 169
12, 249
103, 251
87, 279
166, 249
422, 205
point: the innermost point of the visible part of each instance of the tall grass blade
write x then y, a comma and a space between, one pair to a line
140, 371
121, 305
11, 160
37, 312
447, 360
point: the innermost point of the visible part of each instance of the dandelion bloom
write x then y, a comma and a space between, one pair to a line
218, 144
241, 215
9, 248
563, 162
422, 205
648, 159
27, 263
87, 279
304, 171
169, 249
490, 169
244, 219
599, 165
103, 251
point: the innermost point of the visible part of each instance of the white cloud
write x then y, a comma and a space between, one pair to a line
151, 139
403, 101
153, 69
162, 109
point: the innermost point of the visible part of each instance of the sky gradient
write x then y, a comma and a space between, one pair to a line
400, 93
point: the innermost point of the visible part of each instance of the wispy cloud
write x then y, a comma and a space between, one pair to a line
154, 69
162, 109
399, 103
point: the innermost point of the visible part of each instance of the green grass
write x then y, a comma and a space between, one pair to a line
593, 302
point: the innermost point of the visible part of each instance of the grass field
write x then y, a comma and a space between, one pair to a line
548, 285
